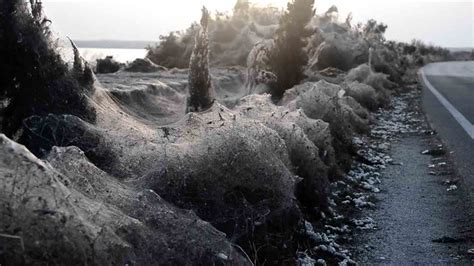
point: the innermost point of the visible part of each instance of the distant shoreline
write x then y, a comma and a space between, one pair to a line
461, 49
121, 44
122, 55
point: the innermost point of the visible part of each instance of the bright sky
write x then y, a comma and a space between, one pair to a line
443, 22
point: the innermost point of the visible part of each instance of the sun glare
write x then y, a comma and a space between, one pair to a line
277, 3
270, 2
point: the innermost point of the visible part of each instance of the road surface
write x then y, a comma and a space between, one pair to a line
415, 210
448, 100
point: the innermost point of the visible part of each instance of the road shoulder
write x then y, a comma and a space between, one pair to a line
421, 214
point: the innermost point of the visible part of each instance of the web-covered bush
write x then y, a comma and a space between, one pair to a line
35, 80
107, 65
288, 57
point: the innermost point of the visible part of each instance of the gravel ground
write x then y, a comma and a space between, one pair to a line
418, 216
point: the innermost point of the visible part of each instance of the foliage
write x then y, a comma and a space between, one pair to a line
144, 66
374, 31
173, 49
426, 49
107, 65
241, 6
35, 80
231, 37
289, 58
199, 78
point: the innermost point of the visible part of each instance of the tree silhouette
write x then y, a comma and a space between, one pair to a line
288, 58
241, 6
374, 31
35, 80
199, 78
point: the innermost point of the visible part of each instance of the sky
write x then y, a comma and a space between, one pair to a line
449, 23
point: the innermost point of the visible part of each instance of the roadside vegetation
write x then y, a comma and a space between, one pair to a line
107, 65
35, 80
263, 111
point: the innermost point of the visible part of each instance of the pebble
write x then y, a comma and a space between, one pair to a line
452, 188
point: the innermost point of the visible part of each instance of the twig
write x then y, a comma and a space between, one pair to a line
15, 237
243, 251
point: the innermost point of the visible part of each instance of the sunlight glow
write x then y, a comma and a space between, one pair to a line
453, 20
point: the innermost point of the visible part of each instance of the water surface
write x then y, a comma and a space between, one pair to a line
121, 55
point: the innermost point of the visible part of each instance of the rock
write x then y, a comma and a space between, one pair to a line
440, 151
452, 188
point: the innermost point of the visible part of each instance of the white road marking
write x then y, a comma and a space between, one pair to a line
463, 122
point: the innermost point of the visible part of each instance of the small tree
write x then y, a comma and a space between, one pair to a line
241, 7
107, 65
374, 31
349, 20
288, 58
199, 78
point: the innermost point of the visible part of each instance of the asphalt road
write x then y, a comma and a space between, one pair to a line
414, 209
448, 100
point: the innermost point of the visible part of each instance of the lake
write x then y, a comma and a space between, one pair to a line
120, 55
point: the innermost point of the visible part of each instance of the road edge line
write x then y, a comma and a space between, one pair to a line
462, 121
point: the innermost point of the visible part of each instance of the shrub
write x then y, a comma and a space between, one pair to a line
242, 7
173, 49
107, 65
231, 37
288, 58
35, 80
144, 66
374, 31
199, 78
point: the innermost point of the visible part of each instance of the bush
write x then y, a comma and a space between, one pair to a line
288, 58
327, 102
143, 65
334, 55
233, 172
107, 65
35, 80
72, 213
231, 37
174, 50
200, 97
242, 6
374, 31
363, 94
